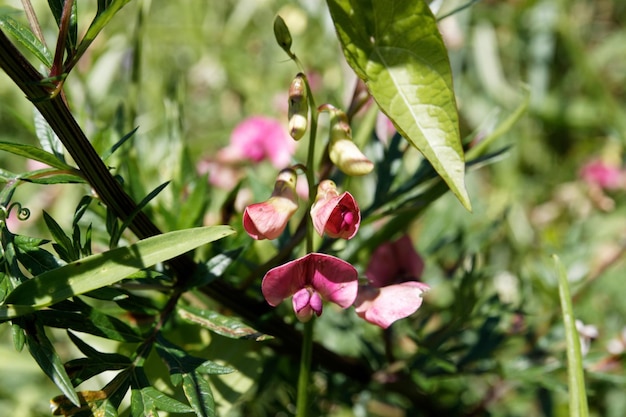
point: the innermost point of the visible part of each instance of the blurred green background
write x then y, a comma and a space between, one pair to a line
204, 66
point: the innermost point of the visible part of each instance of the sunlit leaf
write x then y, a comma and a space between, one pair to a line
576, 377
48, 140
199, 394
106, 11
220, 324
36, 154
26, 38
395, 48
146, 400
104, 269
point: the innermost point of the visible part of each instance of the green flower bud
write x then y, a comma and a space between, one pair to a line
298, 107
341, 148
283, 37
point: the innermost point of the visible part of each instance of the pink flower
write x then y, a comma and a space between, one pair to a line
602, 174
268, 219
258, 138
311, 279
393, 291
336, 214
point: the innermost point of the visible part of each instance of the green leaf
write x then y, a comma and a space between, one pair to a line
115, 237
48, 360
481, 148
163, 402
213, 268
35, 259
180, 362
48, 140
199, 394
104, 269
26, 38
118, 144
222, 325
97, 324
50, 176
146, 400
37, 154
576, 377
394, 46
64, 246
106, 11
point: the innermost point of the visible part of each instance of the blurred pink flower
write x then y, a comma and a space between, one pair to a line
604, 175
268, 219
384, 128
311, 279
336, 214
393, 291
224, 175
258, 138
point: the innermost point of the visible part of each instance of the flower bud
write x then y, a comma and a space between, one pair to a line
335, 214
268, 219
298, 107
342, 150
283, 37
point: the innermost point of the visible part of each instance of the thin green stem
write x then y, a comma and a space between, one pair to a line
305, 369
310, 162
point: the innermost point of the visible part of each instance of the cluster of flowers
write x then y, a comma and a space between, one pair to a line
392, 291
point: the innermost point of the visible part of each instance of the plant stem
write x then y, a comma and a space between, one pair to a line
310, 173
305, 369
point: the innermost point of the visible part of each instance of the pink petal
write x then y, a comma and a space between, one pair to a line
383, 306
383, 267
284, 281
344, 219
394, 262
307, 302
334, 279
268, 219
411, 262
336, 215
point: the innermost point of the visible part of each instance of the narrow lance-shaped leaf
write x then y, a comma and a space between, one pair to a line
198, 392
104, 15
104, 269
45, 355
222, 325
36, 154
48, 140
24, 36
575, 375
394, 46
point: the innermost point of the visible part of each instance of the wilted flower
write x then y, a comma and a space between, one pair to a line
268, 219
258, 138
311, 279
393, 291
336, 214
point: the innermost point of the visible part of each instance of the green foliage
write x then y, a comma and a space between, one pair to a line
396, 49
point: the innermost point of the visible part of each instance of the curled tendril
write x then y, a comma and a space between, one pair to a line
22, 212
